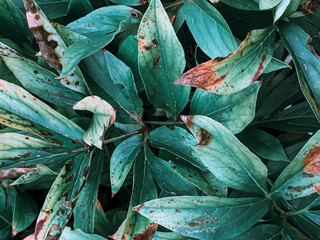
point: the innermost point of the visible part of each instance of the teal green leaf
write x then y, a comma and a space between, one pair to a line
285, 9
38, 80
209, 29
203, 180
268, 4
308, 223
168, 179
13, 22
85, 209
128, 53
79, 8
227, 75
18, 101
306, 62
233, 111
225, 156
130, 2
62, 196
52, 46
170, 236
77, 234
99, 27
103, 117
166, 139
206, 218
122, 160
261, 232
243, 4
25, 212
136, 226
263, 144
161, 61
298, 179
116, 79
275, 65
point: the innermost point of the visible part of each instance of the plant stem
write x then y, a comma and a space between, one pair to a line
163, 123
121, 137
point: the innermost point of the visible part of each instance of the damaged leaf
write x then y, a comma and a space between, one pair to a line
227, 75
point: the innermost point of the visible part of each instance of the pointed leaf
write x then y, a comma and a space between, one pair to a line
37, 79
122, 160
161, 60
267, 4
210, 30
252, 5
225, 156
103, 117
51, 45
275, 65
99, 27
306, 62
16, 100
233, 111
77, 234
206, 218
226, 75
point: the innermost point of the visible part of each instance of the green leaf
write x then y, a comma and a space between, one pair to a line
122, 160
285, 9
25, 212
13, 22
297, 180
37, 79
130, 2
170, 236
204, 180
308, 223
306, 62
268, 4
263, 144
226, 75
168, 179
62, 196
116, 79
261, 232
243, 4
103, 117
225, 156
85, 209
209, 29
275, 65
16, 100
52, 46
136, 226
79, 8
233, 111
205, 217
166, 139
99, 27
161, 61
77, 234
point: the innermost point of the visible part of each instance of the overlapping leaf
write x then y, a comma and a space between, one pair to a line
226, 75
161, 61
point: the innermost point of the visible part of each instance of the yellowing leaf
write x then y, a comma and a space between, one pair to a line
104, 116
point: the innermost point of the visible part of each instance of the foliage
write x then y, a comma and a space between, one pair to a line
136, 119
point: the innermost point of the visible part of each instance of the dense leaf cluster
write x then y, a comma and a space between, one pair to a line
136, 119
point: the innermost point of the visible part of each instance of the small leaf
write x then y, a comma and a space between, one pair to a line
103, 117
18, 101
233, 111
225, 156
161, 61
122, 160
210, 30
226, 75
275, 65
303, 172
205, 217
285, 9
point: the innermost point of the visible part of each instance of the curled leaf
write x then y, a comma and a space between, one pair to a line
103, 117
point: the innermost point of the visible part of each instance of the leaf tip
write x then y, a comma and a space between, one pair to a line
138, 208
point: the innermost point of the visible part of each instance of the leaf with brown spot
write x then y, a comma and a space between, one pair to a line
205, 217
226, 75
298, 178
51, 45
103, 117
225, 156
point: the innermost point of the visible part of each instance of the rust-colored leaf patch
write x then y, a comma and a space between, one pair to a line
14, 173
311, 6
312, 160
148, 233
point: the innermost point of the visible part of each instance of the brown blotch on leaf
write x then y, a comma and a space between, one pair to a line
312, 160
202, 76
156, 62
311, 6
148, 233
30, 6
46, 133
260, 68
205, 137
14, 173
188, 120
299, 188
317, 188
35, 71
